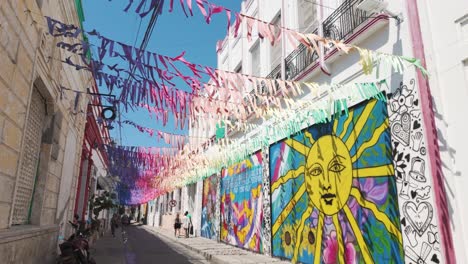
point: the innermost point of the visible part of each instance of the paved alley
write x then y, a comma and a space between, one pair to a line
142, 246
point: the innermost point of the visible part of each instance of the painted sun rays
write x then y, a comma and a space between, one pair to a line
349, 152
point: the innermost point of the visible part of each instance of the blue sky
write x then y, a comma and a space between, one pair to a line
173, 34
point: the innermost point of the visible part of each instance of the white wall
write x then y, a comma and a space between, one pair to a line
64, 201
445, 34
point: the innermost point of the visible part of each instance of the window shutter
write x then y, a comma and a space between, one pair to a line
255, 53
29, 163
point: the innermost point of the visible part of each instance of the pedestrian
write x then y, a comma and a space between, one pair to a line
188, 227
114, 223
177, 225
125, 219
76, 224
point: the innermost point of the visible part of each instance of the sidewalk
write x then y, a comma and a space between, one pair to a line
215, 252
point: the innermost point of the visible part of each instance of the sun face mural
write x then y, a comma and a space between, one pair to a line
333, 191
241, 204
210, 193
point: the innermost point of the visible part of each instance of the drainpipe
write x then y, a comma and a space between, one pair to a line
431, 135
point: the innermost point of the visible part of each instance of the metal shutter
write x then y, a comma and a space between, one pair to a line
29, 163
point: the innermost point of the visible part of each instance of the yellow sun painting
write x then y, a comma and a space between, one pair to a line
335, 184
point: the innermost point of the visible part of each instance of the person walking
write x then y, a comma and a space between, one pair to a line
177, 225
114, 223
188, 227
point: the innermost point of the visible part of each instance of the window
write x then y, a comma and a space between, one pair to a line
224, 63
275, 51
255, 59
238, 69
306, 13
30, 161
179, 203
167, 203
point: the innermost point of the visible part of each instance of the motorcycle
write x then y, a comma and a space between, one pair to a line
75, 250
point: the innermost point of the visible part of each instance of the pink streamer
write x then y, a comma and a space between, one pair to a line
237, 24
228, 15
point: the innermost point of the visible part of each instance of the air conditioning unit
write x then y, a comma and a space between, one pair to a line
379, 6
372, 5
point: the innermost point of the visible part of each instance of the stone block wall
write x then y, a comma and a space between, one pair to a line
29, 58
29, 245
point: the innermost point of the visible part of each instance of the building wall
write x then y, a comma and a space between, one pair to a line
25, 52
416, 188
445, 40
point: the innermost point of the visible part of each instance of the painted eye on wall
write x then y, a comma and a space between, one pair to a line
335, 166
315, 170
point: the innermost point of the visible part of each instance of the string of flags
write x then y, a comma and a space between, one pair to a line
229, 98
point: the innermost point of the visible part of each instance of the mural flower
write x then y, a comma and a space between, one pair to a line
287, 238
308, 241
402, 100
330, 252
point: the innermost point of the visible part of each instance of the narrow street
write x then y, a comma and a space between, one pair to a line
266, 131
141, 247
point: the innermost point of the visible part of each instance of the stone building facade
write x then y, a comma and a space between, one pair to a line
41, 130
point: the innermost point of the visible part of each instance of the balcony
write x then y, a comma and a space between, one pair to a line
339, 25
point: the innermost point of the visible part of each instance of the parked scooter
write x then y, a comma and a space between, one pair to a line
75, 250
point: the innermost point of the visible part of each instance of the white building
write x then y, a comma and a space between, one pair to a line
434, 32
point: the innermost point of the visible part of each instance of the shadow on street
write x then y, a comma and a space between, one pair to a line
141, 247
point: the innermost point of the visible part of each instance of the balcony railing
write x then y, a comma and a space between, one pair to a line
275, 73
339, 25
298, 60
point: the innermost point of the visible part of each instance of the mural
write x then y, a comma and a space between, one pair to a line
241, 204
418, 219
209, 225
266, 230
334, 196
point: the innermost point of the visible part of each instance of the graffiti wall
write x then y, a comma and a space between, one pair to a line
334, 195
241, 204
410, 159
209, 223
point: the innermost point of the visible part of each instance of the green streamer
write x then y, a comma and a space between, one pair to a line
417, 63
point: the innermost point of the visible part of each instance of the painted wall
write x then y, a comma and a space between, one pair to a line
209, 222
241, 204
413, 184
334, 196
418, 209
